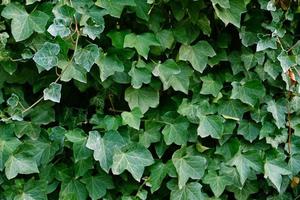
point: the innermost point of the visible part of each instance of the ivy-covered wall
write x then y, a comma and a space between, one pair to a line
149, 99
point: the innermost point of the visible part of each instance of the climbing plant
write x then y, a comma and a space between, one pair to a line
149, 99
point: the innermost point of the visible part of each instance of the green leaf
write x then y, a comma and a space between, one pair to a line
197, 55
27, 128
245, 162
97, 185
133, 118
278, 110
158, 172
286, 61
59, 29
140, 75
33, 190
266, 43
249, 92
248, 130
133, 158
73, 189
87, 56
233, 13
141, 42
53, 92
223, 4
172, 74
8, 144
216, 182
46, 57
191, 191
176, 131
274, 170
188, 165
211, 125
210, 85
114, 8
72, 71
104, 147
143, 98
151, 134
19, 164
232, 109
108, 66
23, 24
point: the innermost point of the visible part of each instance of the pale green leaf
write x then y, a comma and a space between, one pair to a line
133, 158
53, 92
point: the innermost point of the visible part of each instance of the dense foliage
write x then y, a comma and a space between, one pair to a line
149, 99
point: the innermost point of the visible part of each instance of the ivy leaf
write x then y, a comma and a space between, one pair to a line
139, 75
108, 65
232, 109
104, 147
249, 92
23, 24
141, 42
191, 191
46, 57
97, 185
8, 144
53, 92
172, 74
244, 162
248, 130
233, 13
73, 189
211, 125
151, 134
188, 165
266, 43
27, 128
176, 131
278, 110
158, 172
133, 158
19, 164
59, 29
216, 182
274, 170
144, 98
133, 118
223, 4
286, 61
72, 71
210, 85
87, 56
114, 8
197, 55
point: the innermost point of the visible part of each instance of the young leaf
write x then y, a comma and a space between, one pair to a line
53, 92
